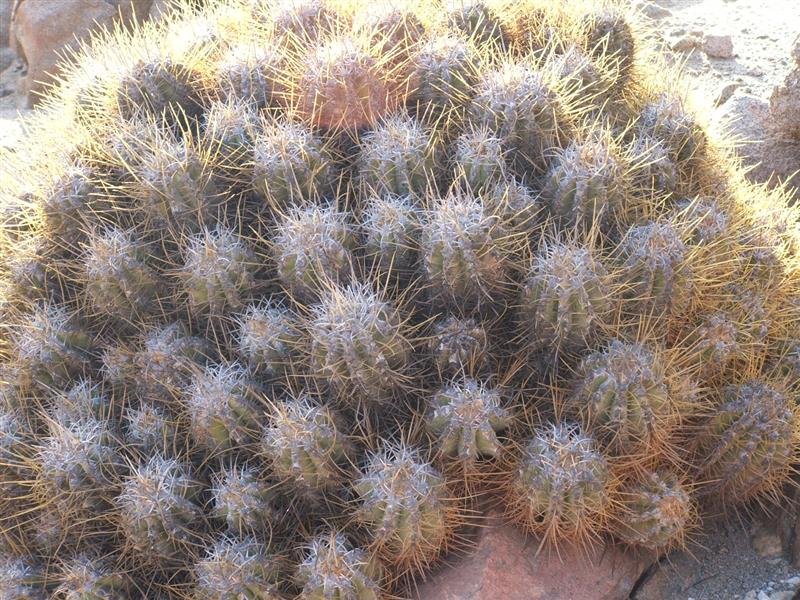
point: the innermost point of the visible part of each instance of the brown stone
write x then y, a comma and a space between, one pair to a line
718, 46
508, 565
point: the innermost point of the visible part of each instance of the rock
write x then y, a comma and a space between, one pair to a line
654, 11
686, 43
796, 50
43, 30
5, 23
784, 106
505, 565
725, 93
765, 540
770, 156
7, 56
718, 46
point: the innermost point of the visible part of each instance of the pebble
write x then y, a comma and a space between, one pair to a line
793, 581
718, 46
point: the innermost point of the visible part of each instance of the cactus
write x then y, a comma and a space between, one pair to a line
243, 501
391, 231
654, 270
159, 511
394, 31
171, 182
158, 87
223, 407
230, 128
15, 451
163, 365
20, 580
84, 401
404, 504
151, 429
657, 512
609, 36
290, 164
398, 158
466, 253
119, 280
479, 159
580, 75
515, 103
250, 74
270, 339
360, 344
465, 418
80, 464
220, 271
747, 445
88, 577
666, 120
459, 344
564, 297
312, 246
480, 23
333, 568
442, 75
561, 483
67, 206
306, 445
51, 347
303, 21
621, 395
655, 171
344, 86
238, 570
715, 342
585, 183
706, 221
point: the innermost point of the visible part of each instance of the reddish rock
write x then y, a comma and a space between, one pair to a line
505, 565
718, 46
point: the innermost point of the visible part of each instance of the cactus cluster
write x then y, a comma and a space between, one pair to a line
288, 287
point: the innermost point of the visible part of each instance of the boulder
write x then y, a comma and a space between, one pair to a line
718, 46
43, 30
762, 143
508, 565
784, 106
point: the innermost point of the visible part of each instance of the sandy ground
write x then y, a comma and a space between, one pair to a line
762, 32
